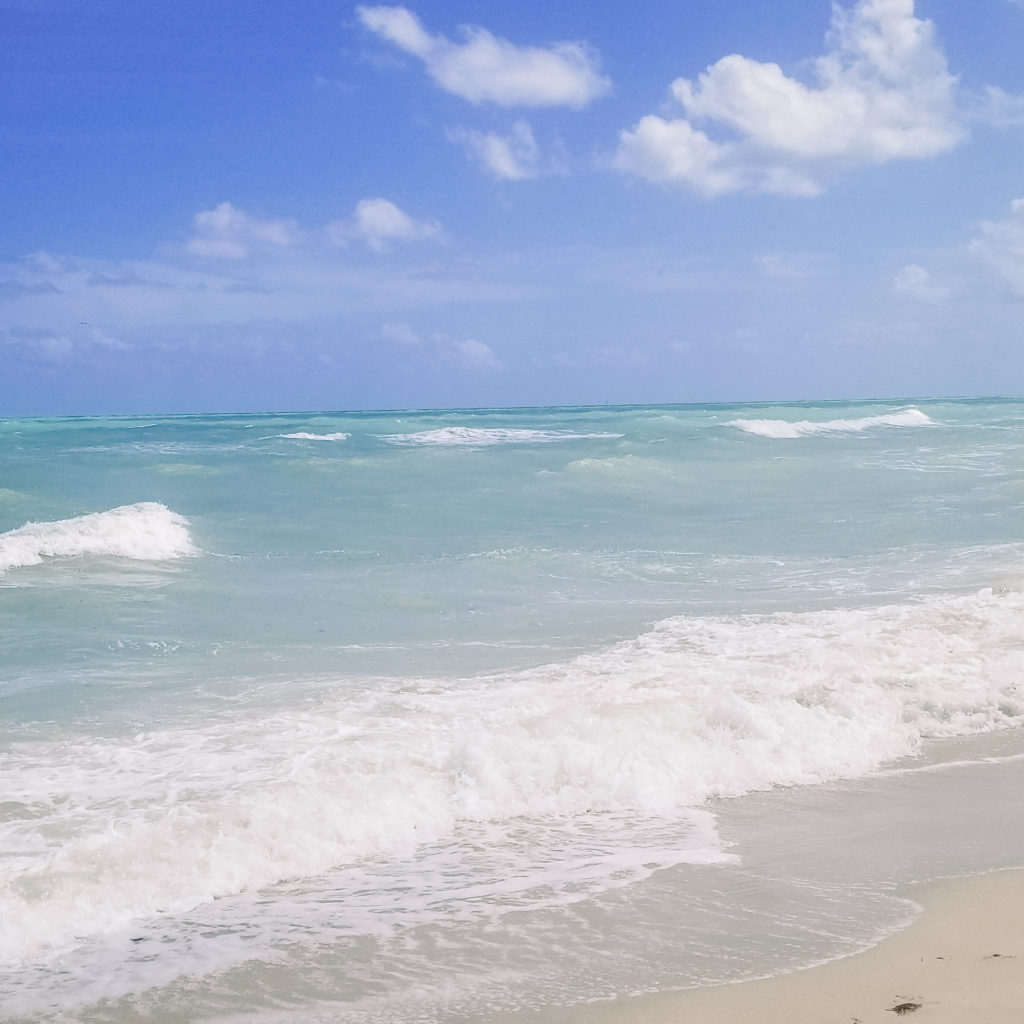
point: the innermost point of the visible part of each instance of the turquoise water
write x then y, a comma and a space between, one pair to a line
361, 716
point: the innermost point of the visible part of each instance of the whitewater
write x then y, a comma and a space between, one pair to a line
440, 716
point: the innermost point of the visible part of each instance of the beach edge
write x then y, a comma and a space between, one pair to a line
961, 959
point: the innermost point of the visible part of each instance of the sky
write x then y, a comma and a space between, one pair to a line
248, 205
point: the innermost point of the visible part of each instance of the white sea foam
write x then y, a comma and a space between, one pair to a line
481, 437
341, 436
807, 428
627, 470
146, 531
102, 832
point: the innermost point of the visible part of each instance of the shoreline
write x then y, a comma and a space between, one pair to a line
960, 961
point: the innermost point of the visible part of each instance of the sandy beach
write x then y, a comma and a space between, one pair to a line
960, 962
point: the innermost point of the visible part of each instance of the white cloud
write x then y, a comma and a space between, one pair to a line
915, 282
674, 151
1001, 246
378, 222
477, 354
226, 232
235, 268
781, 266
47, 263
78, 342
486, 69
513, 157
883, 92
1001, 109
400, 332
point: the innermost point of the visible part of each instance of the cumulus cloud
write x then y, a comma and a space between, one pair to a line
378, 222
882, 92
512, 157
914, 282
1001, 246
483, 68
226, 232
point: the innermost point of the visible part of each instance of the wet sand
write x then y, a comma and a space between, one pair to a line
960, 962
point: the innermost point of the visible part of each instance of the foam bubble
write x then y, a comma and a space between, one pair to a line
479, 437
147, 531
806, 428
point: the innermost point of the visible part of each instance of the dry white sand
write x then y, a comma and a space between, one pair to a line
960, 962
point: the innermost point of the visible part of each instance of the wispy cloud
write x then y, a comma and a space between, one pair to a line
18, 289
241, 269
914, 282
477, 354
1000, 108
783, 266
882, 92
400, 332
484, 68
440, 348
82, 342
1001, 246
232, 234
227, 232
512, 157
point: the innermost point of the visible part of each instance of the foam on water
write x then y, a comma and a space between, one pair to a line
303, 436
485, 873
807, 428
147, 531
625, 470
480, 437
105, 831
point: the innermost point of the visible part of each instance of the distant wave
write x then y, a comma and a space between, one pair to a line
318, 437
806, 428
480, 437
147, 531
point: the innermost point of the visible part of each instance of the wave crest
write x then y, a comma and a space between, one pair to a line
302, 436
480, 437
807, 428
146, 531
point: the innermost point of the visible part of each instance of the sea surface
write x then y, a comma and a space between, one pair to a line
416, 717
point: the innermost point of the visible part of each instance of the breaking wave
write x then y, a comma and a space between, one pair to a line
318, 437
807, 428
649, 729
147, 531
480, 437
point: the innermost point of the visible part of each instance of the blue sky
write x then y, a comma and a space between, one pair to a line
245, 205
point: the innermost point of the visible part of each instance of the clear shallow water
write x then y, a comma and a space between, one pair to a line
427, 716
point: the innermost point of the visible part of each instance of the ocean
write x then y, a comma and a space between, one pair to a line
434, 716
